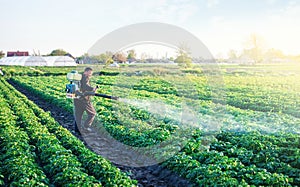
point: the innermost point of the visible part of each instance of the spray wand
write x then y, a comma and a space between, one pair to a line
79, 94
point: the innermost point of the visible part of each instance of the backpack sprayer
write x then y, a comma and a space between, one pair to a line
73, 88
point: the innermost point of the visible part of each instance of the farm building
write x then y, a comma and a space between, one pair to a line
17, 53
38, 61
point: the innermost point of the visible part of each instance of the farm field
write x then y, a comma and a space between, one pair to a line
246, 132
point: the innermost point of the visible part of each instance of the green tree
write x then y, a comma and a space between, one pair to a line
109, 61
103, 57
131, 54
183, 56
58, 52
120, 57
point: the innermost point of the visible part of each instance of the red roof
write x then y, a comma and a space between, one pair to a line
17, 53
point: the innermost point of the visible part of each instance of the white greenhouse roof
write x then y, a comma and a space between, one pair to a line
60, 61
38, 61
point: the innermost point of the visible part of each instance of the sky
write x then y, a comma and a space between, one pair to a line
75, 25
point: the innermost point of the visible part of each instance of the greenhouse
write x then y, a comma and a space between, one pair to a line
23, 61
60, 61
38, 61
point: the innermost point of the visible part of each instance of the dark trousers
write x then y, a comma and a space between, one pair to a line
79, 107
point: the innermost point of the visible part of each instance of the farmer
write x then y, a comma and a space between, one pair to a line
84, 103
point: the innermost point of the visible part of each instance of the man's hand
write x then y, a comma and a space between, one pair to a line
95, 88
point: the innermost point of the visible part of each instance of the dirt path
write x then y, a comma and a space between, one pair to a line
99, 142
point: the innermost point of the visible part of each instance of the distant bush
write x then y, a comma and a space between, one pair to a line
109, 73
192, 71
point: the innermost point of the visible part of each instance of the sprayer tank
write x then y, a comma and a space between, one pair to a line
74, 76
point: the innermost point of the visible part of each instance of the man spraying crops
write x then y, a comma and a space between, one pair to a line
84, 103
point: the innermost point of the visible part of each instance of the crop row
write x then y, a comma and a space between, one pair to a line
264, 99
213, 168
250, 150
236, 117
59, 163
263, 93
107, 113
118, 120
17, 156
263, 162
227, 116
66, 165
34, 71
180, 86
95, 164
